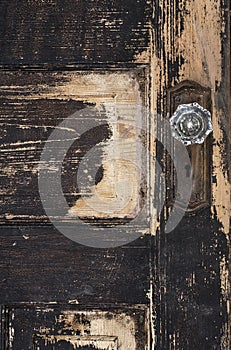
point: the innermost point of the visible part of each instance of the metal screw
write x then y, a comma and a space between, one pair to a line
191, 123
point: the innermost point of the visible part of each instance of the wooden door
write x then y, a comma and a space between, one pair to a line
114, 235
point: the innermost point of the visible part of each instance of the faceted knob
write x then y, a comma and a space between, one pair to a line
191, 123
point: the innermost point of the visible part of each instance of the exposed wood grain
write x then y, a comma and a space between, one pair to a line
35, 103
55, 32
46, 327
52, 35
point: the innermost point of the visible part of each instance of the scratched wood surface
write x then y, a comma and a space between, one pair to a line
111, 329
192, 42
106, 102
189, 293
66, 32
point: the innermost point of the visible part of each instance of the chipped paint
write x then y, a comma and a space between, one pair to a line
97, 88
115, 94
11, 331
198, 58
188, 44
143, 57
97, 342
73, 302
203, 63
102, 329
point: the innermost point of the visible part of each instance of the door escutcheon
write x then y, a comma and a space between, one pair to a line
189, 107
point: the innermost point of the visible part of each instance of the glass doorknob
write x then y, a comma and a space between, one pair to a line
191, 123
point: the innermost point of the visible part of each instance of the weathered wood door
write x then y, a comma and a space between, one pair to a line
114, 235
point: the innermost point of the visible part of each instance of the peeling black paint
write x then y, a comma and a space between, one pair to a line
191, 310
77, 31
46, 267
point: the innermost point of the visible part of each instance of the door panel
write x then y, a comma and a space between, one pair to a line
49, 327
90, 111
85, 32
50, 267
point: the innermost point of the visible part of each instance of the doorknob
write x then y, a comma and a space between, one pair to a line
191, 123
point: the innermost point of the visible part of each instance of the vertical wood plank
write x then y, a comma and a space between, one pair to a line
191, 42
